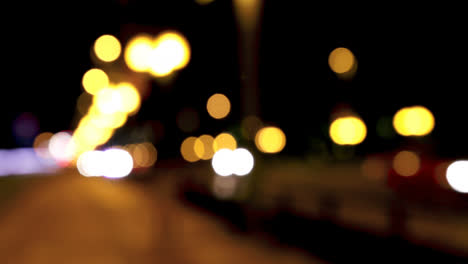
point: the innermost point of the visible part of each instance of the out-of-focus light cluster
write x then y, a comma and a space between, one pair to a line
160, 56
110, 163
413, 121
205, 146
111, 105
227, 162
348, 130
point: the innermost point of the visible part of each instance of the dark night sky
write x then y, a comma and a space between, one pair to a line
406, 55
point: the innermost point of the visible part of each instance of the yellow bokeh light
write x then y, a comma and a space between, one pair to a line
102, 120
224, 140
187, 149
171, 52
203, 147
94, 80
137, 52
348, 130
406, 163
88, 134
270, 139
341, 60
108, 101
130, 97
176, 45
218, 106
414, 121
107, 48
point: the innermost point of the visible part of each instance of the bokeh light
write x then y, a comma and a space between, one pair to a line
107, 48
218, 106
224, 140
61, 148
94, 80
89, 163
167, 52
117, 163
203, 147
111, 163
226, 162
243, 162
130, 97
270, 139
172, 50
222, 162
108, 101
348, 130
187, 149
137, 52
41, 144
457, 176
144, 154
413, 121
406, 163
341, 60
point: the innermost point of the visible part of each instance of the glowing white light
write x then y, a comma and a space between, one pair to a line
222, 162
457, 176
109, 101
243, 161
226, 162
111, 163
118, 163
90, 163
59, 147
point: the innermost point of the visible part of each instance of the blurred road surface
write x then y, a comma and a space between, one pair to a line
71, 219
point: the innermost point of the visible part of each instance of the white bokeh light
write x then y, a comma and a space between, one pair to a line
243, 161
90, 164
226, 162
111, 163
457, 176
222, 162
59, 147
118, 163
